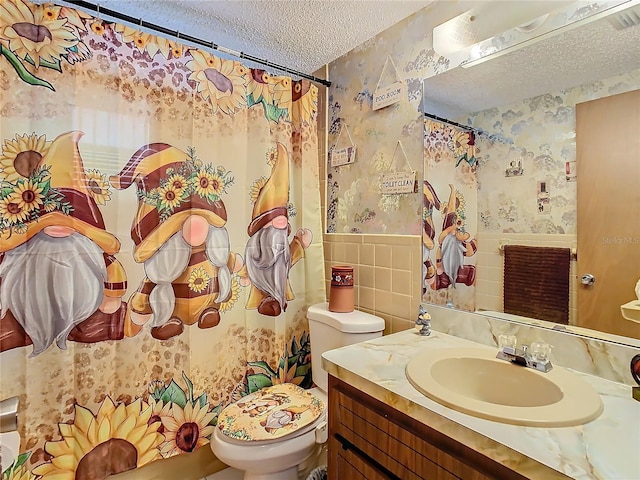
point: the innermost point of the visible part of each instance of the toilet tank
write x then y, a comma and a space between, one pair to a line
329, 330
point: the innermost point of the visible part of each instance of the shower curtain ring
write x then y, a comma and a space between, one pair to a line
97, 10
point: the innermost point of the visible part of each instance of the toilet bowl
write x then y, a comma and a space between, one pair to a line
240, 440
276, 459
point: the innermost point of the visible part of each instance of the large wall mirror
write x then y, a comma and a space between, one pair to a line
538, 147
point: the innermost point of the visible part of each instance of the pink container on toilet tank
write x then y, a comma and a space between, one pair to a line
341, 293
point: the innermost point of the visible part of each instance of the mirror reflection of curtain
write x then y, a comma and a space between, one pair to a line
156, 253
449, 216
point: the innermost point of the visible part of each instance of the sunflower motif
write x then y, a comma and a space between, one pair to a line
169, 197
97, 27
98, 186
305, 103
272, 156
179, 183
459, 143
20, 473
50, 12
199, 280
117, 439
73, 16
152, 44
10, 210
35, 36
29, 195
187, 429
282, 95
461, 203
159, 409
219, 81
21, 156
235, 295
177, 49
261, 85
208, 184
256, 186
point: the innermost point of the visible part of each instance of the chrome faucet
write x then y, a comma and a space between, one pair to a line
536, 357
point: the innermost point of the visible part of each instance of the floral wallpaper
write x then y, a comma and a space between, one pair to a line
143, 184
355, 202
524, 171
536, 136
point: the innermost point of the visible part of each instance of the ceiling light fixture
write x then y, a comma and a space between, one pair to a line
556, 22
455, 38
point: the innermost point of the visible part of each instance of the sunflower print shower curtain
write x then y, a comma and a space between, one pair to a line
157, 256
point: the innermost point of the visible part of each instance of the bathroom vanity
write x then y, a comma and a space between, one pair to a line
381, 427
371, 440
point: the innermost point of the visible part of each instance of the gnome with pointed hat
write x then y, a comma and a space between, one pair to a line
269, 255
430, 200
454, 245
60, 278
180, 236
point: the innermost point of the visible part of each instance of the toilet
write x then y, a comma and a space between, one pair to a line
268, 433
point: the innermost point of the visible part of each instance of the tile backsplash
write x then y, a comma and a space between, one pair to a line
387, 271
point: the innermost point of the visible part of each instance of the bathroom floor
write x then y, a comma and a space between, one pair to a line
226, 474
233, 474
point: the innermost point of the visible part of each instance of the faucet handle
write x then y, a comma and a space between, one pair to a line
540, 351
507, 340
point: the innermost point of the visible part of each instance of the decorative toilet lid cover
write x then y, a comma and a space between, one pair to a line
270, 413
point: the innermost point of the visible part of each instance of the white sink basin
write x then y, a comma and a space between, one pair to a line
473, 381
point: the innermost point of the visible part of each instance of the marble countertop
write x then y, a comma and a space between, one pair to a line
606, 448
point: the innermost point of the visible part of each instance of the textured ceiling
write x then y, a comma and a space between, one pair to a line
299, 34
306, 34
577, 56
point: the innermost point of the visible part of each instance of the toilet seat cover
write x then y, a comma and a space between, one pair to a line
270, 413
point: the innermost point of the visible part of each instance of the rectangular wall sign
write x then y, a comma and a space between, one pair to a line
398, 182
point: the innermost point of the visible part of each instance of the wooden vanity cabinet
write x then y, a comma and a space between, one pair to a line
369, 440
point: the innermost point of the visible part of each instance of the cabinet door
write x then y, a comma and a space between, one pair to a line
347, 465
383, 443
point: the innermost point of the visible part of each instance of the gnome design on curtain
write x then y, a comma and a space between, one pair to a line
430, 200
59, 278
180, 236
269, 255
454, 245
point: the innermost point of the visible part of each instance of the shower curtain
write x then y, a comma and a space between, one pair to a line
157, 253
449, 220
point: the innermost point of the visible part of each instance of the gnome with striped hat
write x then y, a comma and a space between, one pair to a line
60, 278
180, 236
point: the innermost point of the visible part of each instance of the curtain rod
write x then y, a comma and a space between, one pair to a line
450, 122
477, 131
188, 38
